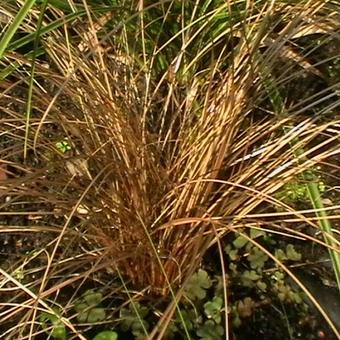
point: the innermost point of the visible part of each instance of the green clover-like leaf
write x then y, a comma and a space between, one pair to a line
233, 269
240, 242
132, 321
106, 335
283, 291
212, 309
138, 328
210, 331
255, 233
188, 318
92, 298
248, 278
81, 307
82, 316
59, 331
245, 307
257, 258
58, 328
128, 318
278, 276
96, 315
63, 146
261, 285
87, 307
197, 285
292, 254
280, 255
231, 252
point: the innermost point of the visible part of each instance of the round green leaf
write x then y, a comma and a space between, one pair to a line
240, 242
106, 335
93, 298
212, 309
82, 316
96, 314
59, 331
80, 307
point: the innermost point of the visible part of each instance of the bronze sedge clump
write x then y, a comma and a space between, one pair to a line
158, 170
129, 180
138, 185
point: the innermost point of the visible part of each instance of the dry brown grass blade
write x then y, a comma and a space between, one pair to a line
39, 301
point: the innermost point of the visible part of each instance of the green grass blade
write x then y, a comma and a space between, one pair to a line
15, 65
310, 179
52, 26
31, 83
324, 223
46, 29
133, 304
316, 199
60, 4
8, 35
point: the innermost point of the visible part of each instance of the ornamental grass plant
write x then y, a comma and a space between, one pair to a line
138, 138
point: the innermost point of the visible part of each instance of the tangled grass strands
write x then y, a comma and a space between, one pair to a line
146, 151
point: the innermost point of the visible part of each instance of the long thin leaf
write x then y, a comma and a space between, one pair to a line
324, 223
31, 83
15, 25
310, 179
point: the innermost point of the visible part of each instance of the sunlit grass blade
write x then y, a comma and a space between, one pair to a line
325, 224
44, 30
32, 75
11, 30
310, 180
